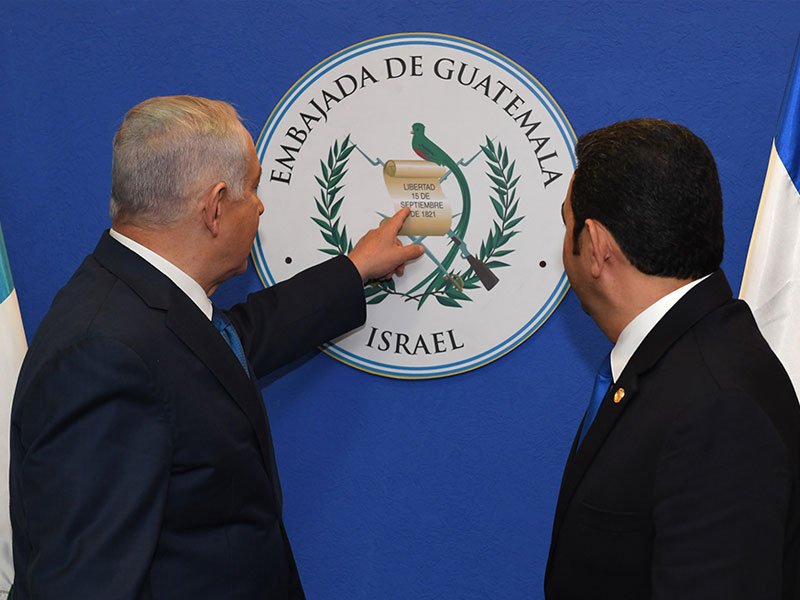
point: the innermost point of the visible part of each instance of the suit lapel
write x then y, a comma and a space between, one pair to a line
697, 303
580, 458
191, 326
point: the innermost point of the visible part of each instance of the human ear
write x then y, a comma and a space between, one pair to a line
599, 247
212, 208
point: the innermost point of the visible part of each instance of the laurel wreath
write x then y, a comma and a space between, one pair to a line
450, 291
328, 205
505, 206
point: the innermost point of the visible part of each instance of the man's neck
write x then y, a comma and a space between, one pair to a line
630, 296
169, 242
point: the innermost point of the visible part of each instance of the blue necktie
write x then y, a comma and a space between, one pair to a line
226, 329
602, 381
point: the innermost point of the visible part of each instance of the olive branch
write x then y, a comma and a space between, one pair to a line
330, 184
505, 203
328, 206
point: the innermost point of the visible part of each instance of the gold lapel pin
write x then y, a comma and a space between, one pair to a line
619, 395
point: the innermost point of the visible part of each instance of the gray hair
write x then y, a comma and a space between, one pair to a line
170, 149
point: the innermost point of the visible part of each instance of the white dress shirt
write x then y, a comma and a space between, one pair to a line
184, 282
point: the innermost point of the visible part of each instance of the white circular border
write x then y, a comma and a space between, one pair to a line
521, 75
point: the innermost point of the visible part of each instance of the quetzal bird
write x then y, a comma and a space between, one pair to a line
429, 151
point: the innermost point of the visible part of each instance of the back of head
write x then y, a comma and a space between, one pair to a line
167, 151
654, 185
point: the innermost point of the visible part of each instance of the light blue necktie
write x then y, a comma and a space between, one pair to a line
602, 381
228, 332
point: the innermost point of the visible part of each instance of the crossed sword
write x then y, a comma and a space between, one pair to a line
484, 273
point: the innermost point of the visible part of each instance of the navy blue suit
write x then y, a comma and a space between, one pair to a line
688, 486
141, 459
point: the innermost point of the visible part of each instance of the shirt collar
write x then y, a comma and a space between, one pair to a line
184, 282
635, 331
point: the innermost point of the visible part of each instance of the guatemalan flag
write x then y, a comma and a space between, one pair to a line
771, 283
12, 350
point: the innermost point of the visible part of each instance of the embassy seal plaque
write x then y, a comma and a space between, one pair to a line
478, 150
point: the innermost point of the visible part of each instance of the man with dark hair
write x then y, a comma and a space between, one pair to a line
684, 478
669, 222
141, 458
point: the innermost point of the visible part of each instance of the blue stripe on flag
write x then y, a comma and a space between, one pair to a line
787, 140
6, 283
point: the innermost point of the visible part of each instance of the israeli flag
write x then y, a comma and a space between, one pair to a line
771, 283
12, 350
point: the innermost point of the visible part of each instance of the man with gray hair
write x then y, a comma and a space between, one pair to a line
142, 464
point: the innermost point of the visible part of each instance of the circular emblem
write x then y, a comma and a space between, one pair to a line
477, 149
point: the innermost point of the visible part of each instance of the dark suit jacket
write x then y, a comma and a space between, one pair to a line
688, 486
141, 458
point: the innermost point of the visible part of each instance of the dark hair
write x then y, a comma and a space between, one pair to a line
654, 185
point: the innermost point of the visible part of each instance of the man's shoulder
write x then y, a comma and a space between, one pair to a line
710, 333
730, 367
94, 303
733, 347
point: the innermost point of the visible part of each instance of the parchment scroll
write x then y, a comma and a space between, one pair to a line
415, 183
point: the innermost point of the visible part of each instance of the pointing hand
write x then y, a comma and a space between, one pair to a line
379, 254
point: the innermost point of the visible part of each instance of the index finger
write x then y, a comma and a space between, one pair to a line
395, 223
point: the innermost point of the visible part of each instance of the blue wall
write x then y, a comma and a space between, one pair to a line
428, 489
